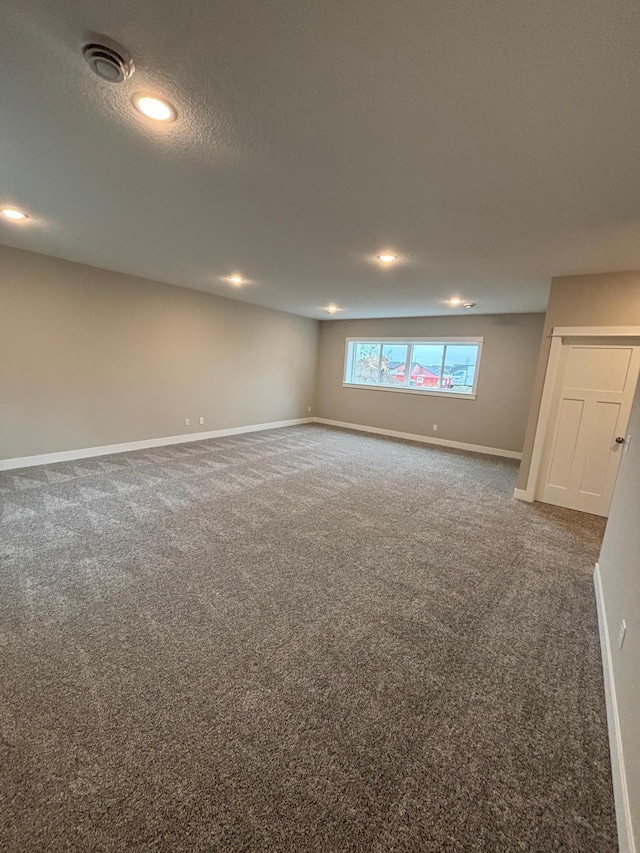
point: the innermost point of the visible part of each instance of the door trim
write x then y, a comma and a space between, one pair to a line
595, 332
558, 333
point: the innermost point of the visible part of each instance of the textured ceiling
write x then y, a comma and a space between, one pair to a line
492, 143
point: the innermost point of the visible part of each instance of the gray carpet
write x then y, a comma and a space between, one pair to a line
297, 640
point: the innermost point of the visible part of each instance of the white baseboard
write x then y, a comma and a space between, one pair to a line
87, 452
523, 495
425, 439
620, 793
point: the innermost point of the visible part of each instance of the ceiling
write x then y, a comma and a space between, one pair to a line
492, 144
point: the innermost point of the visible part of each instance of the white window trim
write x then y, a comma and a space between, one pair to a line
422, 391
440, 392
412, 340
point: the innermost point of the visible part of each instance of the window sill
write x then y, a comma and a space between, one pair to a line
423, 391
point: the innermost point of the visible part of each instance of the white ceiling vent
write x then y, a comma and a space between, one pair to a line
110, 62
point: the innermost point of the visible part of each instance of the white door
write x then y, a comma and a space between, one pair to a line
592, 401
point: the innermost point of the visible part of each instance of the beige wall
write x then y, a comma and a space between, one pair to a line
89, 358
620, 574
609, 299
496, 418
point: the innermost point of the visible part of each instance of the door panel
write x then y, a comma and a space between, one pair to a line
603, 441
597, 368
569, 420
592, 402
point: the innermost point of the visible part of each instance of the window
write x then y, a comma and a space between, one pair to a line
420, 366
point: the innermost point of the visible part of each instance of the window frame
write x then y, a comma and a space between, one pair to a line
409, 342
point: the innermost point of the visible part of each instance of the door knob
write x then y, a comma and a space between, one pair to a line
620, 439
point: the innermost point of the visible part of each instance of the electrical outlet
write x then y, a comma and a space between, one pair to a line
186, 421
435, 427
201, 421
622, 633
309, 409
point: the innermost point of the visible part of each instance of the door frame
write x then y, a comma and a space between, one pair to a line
558, 333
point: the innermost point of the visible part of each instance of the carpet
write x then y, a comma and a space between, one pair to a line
304, 639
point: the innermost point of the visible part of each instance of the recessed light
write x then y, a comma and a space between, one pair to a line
332, 309
387, 258
469, 305
455, 300
14, 214
235, 279
154, 108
